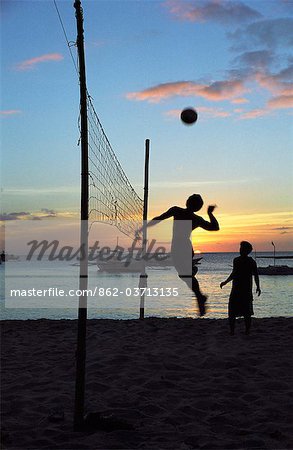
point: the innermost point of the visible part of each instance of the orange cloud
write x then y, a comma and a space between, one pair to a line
274, 84
239, 100
213, 112
223, 90
254, 114
216, 91
280, 102
173, 113
205, 110
29, 64
10, 112
165, 90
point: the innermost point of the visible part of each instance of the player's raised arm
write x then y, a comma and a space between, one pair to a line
213, 224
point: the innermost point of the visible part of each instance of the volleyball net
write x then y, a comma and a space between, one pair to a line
112, 199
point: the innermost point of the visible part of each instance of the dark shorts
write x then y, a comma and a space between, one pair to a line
239, 307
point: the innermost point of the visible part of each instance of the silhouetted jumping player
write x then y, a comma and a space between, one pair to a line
241, 298
185, 221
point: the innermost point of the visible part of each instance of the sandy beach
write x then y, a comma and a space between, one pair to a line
180, 384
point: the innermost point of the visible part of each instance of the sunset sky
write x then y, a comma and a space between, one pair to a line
146, 61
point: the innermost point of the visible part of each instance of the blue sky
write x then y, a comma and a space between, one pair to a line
146, 61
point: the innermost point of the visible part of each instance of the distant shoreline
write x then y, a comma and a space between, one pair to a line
266, 252
146, 319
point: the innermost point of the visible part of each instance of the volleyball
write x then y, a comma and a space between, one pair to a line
188, 116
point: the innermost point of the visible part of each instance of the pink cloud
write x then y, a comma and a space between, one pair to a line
254, 114
213, 112
10, 112
214, 10
231, 90
31, 63
224, 90
204, 110
166, 90
173, 113
279, 83
239, 100
280, 102
216, 91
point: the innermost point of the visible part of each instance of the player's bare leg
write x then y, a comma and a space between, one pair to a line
193, 284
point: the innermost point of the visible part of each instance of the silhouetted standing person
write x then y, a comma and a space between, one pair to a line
3, 256
241, 298
185, 221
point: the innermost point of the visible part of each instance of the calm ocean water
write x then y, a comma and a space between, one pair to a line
275, 300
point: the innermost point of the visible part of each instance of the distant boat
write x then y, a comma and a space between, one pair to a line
12, 258
6, 257
276, 257
275, 269
115, 265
